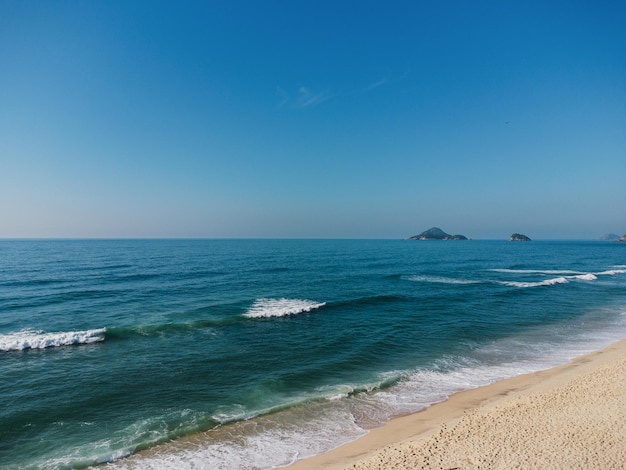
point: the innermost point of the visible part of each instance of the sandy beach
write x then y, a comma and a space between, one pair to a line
572, 416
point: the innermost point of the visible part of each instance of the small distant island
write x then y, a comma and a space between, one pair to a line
610, 237
519, 237
623, 239
435, 233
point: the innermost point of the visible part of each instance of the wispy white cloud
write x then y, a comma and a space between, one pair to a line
303, 98
390, 80
376, 84
307, 97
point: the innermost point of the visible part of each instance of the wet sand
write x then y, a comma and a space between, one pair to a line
572, 416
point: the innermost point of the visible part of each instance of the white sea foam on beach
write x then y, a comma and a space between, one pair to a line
32, 339
268, 442
266, 308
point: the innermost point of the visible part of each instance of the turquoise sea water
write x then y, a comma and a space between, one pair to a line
273, 350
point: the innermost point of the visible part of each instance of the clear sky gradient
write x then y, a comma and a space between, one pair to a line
347, 119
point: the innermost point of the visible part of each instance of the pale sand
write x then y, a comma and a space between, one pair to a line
569, 417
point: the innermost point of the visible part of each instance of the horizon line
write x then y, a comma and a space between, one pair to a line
96, 238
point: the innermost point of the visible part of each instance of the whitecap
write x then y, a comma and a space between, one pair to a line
266, 308
611, 272
441, 280
32, 339
546, 282
537, 271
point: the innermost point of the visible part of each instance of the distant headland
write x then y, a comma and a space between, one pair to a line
435, 233
519, 237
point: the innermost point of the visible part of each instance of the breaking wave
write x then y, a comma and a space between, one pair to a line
31, 339
612, 272
442, 280
546, 282
550, 282
564, 276
267, 308
537, 271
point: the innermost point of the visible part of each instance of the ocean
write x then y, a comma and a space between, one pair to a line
242, 354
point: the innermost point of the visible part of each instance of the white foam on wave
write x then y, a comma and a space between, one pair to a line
265, 443
546, 282
538, 271
441, 280
267, 308
564, 276
32, 339
122, 443
617, 269
552, 281
611, 272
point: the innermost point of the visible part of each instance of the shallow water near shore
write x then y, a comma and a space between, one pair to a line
255, 353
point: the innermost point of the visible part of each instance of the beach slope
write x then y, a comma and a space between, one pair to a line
572, 416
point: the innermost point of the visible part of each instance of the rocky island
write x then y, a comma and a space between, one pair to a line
623, 239
518, 237
436, 233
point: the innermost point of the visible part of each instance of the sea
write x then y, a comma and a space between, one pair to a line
253, 354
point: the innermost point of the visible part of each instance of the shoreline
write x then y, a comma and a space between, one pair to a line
572, 415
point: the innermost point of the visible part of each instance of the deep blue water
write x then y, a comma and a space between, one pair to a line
260, 352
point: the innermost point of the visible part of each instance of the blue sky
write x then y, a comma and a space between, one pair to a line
349, 119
